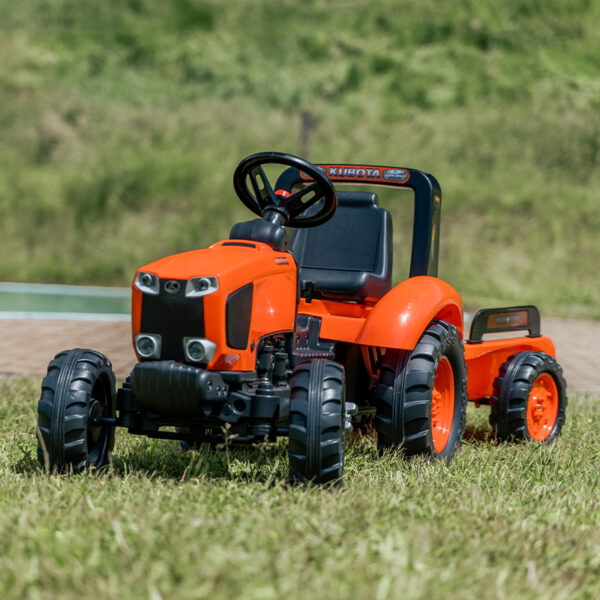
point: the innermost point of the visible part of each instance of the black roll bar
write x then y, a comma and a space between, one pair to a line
427, 203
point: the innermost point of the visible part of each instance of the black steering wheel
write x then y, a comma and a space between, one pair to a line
281, 206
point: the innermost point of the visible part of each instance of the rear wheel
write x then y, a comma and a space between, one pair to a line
422, 395
316, 446
530, 398
79, 387
442, 404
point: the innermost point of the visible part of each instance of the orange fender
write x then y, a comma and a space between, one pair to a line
400, 317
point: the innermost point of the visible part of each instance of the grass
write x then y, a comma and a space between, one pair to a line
499, 521
121, 125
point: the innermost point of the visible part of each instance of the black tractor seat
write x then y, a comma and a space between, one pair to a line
349, 257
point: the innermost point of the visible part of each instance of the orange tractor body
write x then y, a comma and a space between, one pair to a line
260, 336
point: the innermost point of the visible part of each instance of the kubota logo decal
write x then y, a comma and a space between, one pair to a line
358, 172
172, 286
364, 173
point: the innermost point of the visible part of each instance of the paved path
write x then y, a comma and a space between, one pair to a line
578, 351
27, 345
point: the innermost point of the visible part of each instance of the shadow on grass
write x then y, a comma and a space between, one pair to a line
26, 464
479, 435
157, 459
262, 463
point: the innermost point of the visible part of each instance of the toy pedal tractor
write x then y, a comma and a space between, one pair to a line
305, 338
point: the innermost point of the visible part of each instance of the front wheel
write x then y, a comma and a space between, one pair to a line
317, 415
422, 395
79, 388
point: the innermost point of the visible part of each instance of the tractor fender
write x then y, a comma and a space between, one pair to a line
399, 318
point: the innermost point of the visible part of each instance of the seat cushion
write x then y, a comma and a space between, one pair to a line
350, 256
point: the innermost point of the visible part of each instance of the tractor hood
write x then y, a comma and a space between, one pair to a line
230, 261
232, 294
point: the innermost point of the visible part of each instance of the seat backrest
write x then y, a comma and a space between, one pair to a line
350, 256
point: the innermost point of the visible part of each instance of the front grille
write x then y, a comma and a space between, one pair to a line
174, 317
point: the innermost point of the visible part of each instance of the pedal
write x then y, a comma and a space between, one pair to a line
350, 409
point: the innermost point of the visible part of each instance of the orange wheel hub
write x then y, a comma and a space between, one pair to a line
442, 404
542, 407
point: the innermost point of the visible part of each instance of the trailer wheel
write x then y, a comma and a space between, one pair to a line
530, 398
79, 387
422, 395
316, 430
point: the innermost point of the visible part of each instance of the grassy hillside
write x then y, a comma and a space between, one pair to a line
121, 124
508, 521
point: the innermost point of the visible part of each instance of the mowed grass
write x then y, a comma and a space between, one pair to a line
499, 521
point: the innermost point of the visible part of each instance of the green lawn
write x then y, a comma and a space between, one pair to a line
121, 125
508, 521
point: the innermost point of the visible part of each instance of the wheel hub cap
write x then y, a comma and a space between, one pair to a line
442, 404
94, 430
542, 407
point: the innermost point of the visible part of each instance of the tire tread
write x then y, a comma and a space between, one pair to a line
316, 430
404, 392
63, 404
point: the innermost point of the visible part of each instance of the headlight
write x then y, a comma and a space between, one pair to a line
201, 286
148, 345
198, 349
147, 283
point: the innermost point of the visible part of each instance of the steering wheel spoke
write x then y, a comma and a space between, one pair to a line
296, 204
265, 191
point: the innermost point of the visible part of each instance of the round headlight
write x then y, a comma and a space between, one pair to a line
148, 283
196, 351
202, 284
146, 279
147, 346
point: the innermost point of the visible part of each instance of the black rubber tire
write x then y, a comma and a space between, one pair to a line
404, 392
77, 382
511, 394
316, 430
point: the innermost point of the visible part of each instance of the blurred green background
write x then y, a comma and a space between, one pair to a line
121, 124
